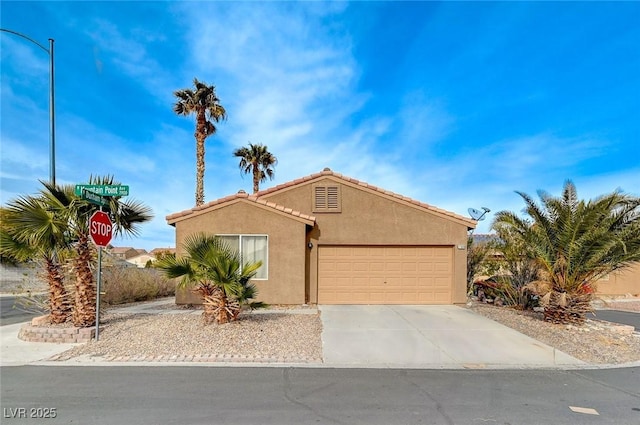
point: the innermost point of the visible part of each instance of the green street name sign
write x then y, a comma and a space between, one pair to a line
94, 198
103, 189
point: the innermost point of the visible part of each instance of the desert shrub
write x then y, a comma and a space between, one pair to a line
129, 284
515, 294
481, 260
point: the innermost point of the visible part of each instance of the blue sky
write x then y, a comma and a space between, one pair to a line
455, 104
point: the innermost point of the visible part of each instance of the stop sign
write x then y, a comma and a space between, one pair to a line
100, 228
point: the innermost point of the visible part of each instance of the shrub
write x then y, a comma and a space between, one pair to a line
129, 284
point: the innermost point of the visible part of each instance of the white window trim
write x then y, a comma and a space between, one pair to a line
265, 264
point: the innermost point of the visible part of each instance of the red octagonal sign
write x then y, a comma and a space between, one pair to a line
100, 228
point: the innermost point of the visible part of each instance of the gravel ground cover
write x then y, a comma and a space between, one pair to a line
273, 337
595, 342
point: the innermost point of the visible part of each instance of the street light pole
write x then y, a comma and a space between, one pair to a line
52, 112
52, 118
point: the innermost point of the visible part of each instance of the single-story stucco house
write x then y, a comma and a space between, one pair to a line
330, 239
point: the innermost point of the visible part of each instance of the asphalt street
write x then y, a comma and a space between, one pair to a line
230, 395
16, 310
616, 316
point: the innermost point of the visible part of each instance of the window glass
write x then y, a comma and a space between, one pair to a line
233, 241
252, 249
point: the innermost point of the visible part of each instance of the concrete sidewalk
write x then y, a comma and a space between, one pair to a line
16, 352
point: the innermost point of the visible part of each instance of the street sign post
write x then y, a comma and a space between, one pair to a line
101, 231
100, 228
103, 189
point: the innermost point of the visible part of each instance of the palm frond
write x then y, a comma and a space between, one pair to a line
576, 241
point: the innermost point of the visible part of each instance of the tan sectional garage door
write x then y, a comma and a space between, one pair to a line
385, 275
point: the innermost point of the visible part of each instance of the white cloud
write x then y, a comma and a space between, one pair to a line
127, 49
33, 61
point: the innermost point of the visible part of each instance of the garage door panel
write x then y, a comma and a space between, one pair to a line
409, 267
409, 282
376, 267
442, 267
385, 275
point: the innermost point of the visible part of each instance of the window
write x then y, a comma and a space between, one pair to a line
252, 248
326, 198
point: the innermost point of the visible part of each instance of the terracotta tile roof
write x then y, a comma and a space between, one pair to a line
242, 196
122, 249
328, 173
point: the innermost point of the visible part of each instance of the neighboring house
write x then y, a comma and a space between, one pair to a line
330, 239
621, 282
141, 260
123, 253
109, 260
144, 257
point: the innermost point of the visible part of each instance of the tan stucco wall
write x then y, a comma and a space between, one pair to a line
621, 282
287, 247
370, 219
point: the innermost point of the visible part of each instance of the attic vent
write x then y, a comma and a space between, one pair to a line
321, 198
326, 198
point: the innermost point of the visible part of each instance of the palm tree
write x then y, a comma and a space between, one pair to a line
575, 242
217, 273
258, 160
203, 102
32, 230
126, 216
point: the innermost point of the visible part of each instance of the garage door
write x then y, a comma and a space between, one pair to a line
385, 275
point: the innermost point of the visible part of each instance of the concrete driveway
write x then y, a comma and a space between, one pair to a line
428, 337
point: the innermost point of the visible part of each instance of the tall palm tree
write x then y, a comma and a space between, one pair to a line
215, 272
256, 159
126, 216
575, 242
31, 230
204, 103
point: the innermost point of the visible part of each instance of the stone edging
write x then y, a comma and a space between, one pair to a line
58, 335
202, 358
34, 332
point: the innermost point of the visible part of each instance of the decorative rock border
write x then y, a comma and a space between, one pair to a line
35, 332
202, 358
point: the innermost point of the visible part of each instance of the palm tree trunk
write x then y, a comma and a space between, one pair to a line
256, 178
200, 135
84, 314
224, 315
60, 310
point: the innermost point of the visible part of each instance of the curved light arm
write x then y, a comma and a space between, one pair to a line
26, 38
